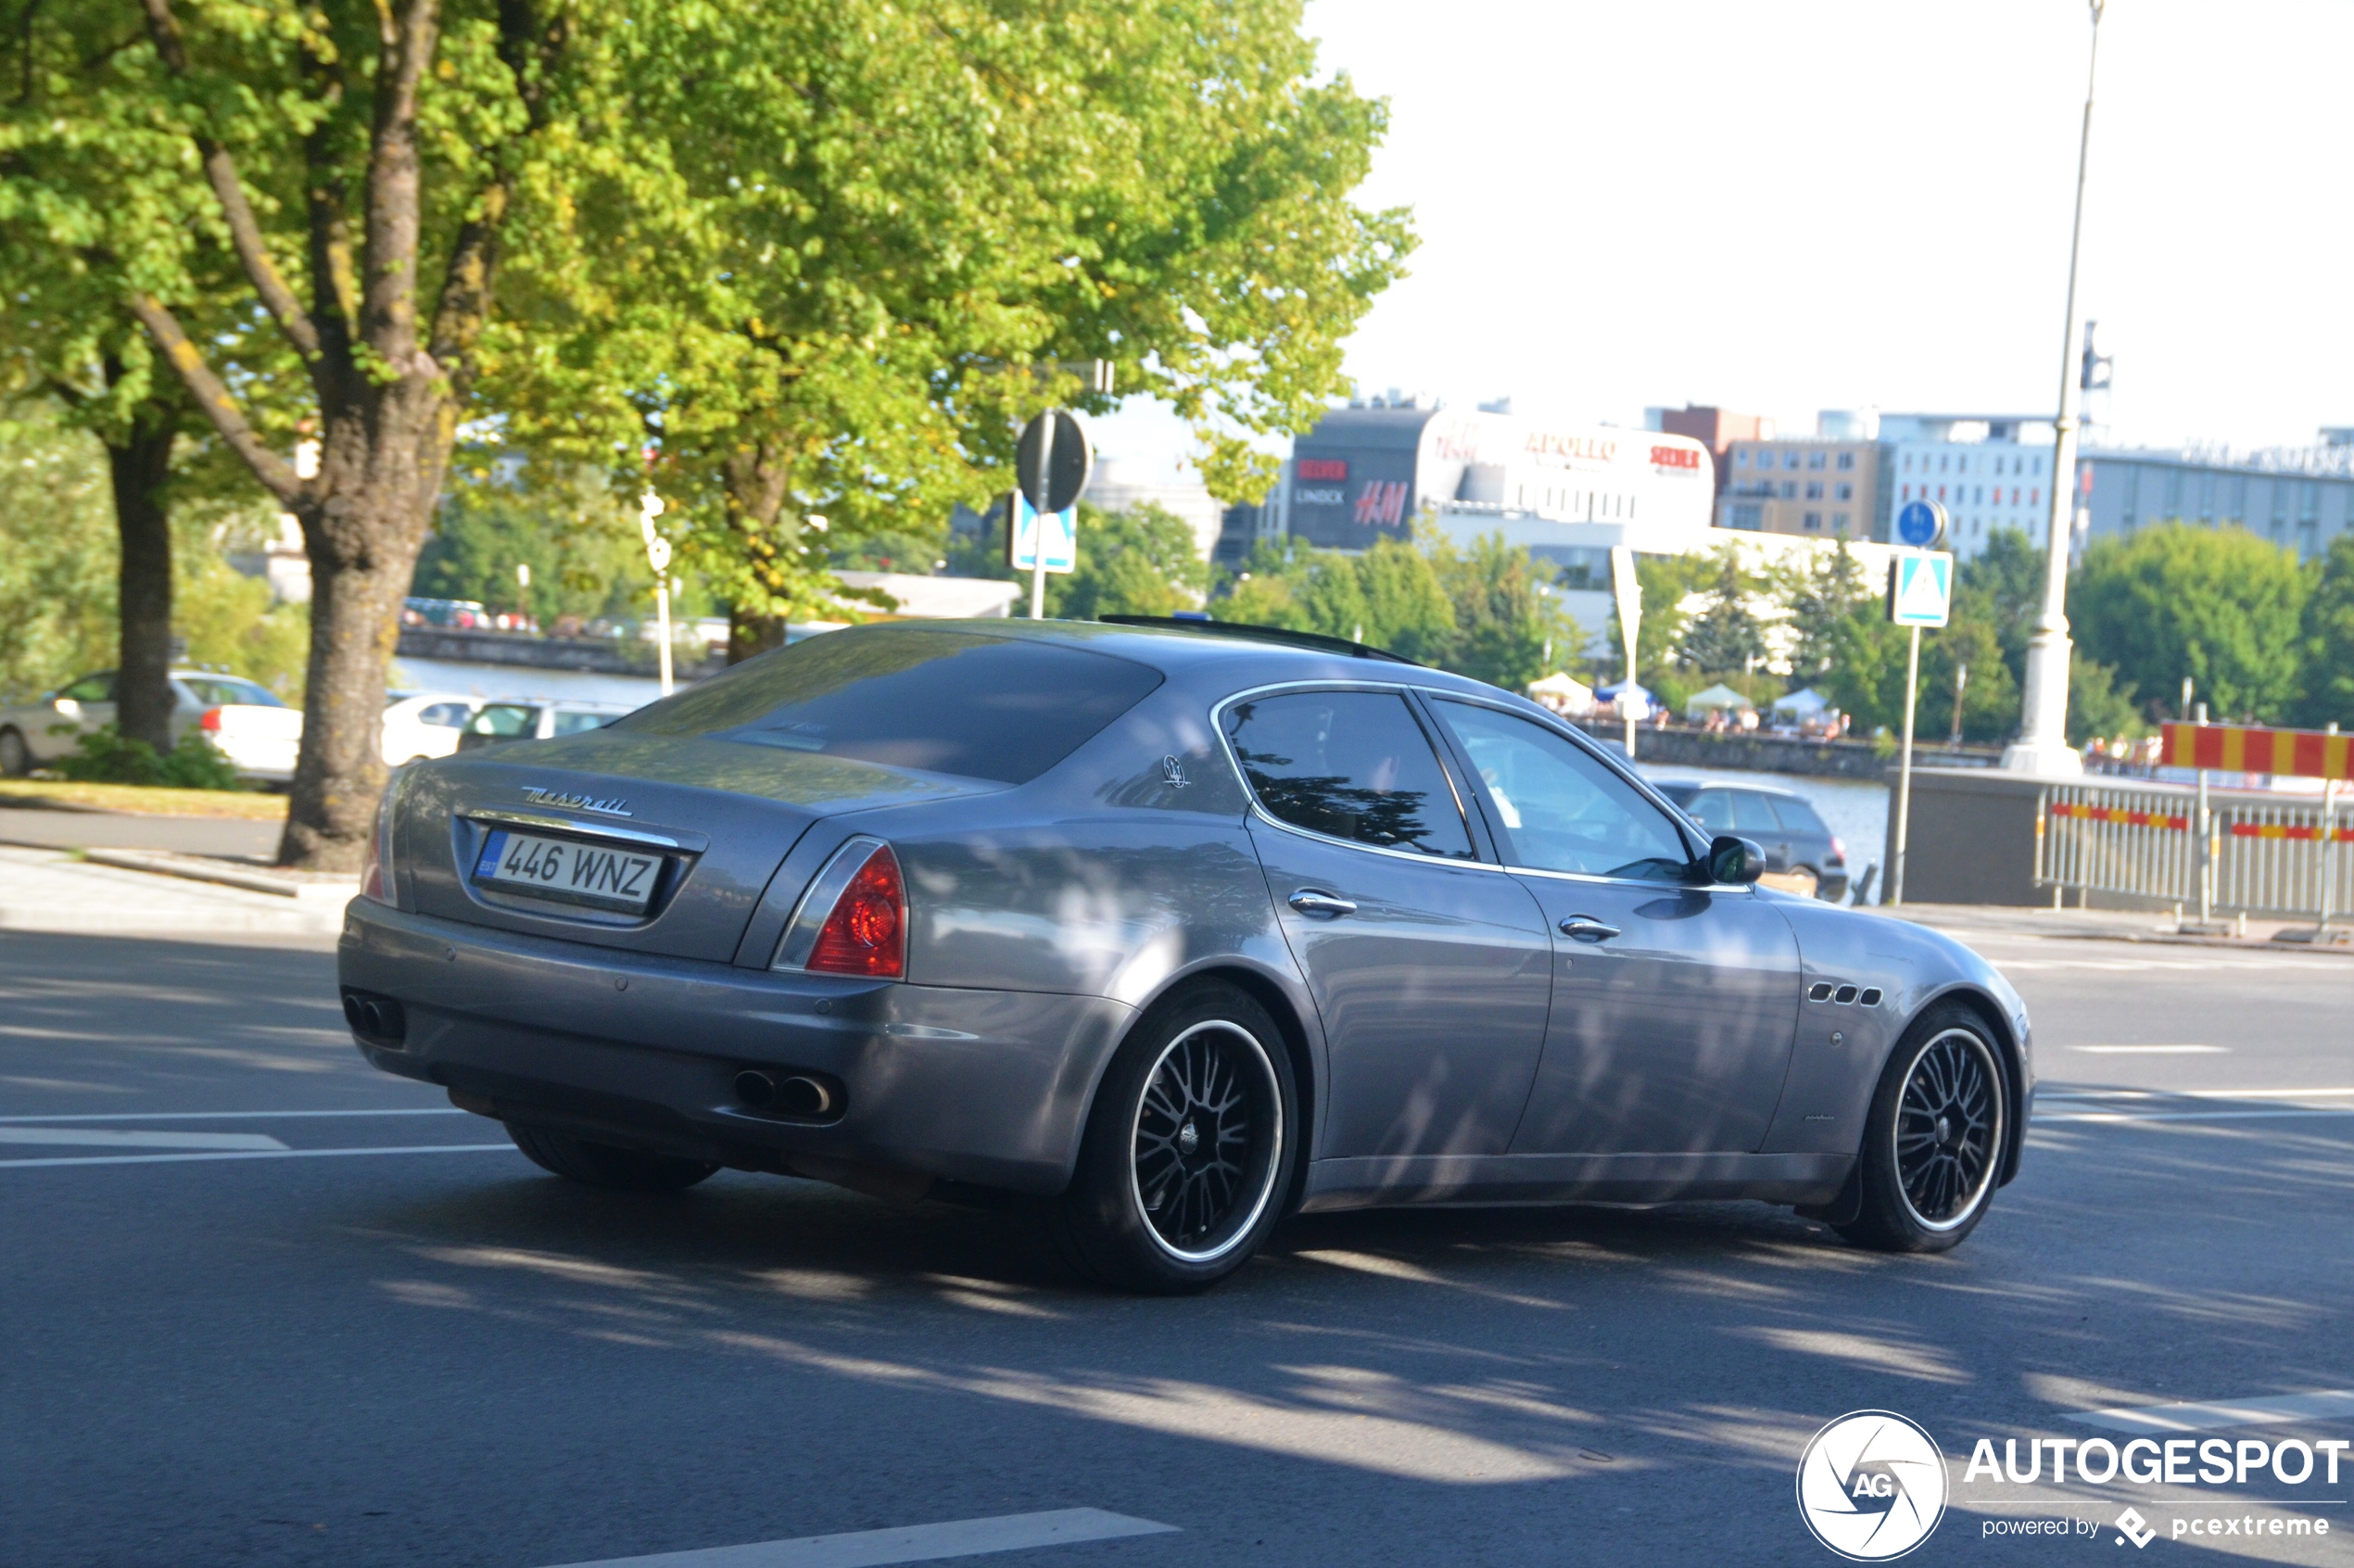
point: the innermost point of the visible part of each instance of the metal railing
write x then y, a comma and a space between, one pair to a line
2252, 858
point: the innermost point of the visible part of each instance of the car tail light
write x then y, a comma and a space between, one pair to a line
866, 933
1839, 850
375, 872
210, 721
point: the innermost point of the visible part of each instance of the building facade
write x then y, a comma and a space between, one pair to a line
1990, 472
1814, 486
2299, 498
1717, 429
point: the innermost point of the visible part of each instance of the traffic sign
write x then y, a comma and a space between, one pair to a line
1052, 460
1921, 524
1062, 538
1920, 588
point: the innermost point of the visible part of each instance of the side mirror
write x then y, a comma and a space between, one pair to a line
1733, 860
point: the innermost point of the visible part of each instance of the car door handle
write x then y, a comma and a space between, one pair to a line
1315, 901
1585, 928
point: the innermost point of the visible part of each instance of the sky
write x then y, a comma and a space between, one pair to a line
1783, 206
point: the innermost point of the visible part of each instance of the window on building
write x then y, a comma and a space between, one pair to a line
1814, 460
1847, 460
1814, 489
2037, 468
2308, 505
2174, 492
1942, 458
1980, 496
1846, 490
1790, 460
1839, 522
1789, 489
1750, 518
1740, 460
1814, 522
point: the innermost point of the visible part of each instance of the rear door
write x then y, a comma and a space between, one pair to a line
1429, 968
1754, 818
1674, 1005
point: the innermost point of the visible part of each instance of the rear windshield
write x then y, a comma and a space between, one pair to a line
943, 701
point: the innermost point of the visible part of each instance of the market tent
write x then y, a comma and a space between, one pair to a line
1562, 693
1611, 693
1803, 704
1717, 699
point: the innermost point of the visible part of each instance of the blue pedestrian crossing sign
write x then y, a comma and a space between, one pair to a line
1920, 525
1920, 588
1062, 538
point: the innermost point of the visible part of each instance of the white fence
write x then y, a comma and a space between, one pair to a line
2251, 857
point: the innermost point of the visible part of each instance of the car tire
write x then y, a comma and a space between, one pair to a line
603, 1165
16, 757
1189, 1150
1933, 1149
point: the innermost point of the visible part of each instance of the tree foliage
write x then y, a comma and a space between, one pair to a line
2327, 695
2221, 606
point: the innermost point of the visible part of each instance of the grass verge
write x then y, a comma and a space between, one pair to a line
146, 799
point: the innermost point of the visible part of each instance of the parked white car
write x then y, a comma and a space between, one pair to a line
424, 724
537, 718
258, 733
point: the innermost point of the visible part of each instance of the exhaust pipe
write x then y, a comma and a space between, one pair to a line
376, 1018
792, 1096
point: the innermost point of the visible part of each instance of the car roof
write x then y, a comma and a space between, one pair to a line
1728, 784
1242, 657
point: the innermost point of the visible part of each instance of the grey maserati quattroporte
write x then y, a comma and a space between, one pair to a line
1177, 929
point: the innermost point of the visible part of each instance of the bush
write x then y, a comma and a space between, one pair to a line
105, 757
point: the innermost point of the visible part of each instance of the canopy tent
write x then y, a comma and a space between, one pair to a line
1562, 693
1803, 704
1717, 699
1611, 693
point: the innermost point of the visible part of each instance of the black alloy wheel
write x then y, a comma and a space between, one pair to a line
1934, 1146
1189, 1149
1948, 1129
1208, 1136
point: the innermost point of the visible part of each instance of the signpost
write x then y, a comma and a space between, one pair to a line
658, 556
1629, 592
1920, 593
1051, 466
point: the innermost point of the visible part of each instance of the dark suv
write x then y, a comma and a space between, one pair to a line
1799, 848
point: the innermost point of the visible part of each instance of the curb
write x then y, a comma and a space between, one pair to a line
200, 869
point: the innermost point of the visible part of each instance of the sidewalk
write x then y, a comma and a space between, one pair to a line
2097, 925
46, 827
42, 890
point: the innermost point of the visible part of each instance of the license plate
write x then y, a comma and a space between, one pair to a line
594, 875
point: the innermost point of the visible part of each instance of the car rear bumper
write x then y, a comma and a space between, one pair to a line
984, 1087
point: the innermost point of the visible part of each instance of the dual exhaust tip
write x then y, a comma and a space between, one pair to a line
793, 1095
378, 1019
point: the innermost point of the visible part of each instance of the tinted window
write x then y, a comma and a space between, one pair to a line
1797, 816
1353, 764
505, 718
92, 689
573, 723
1751, 814
946, 701
1561, 809
449, 715
1713, 811
223, 690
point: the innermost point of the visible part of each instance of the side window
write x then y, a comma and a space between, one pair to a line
1352, 764
447, 715
573, 723
1561, 809
1752, 814
92, 689
1797, 816
505, 718
1713, 811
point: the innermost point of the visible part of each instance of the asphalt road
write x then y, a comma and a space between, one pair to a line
449, 1358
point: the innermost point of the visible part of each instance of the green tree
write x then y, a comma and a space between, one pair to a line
1989, 697
2221, 606
586, 557
2327, 695
1508, 622
857, 243
1726, 635
56, 551
1819, 591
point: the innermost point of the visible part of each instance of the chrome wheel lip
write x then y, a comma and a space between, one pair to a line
1266, 1193
1978, 1045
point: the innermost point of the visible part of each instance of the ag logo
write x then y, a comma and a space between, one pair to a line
1871, 1486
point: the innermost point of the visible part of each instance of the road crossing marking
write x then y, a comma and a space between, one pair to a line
281, 1153
913, 1543
91, 1137
2222, 1412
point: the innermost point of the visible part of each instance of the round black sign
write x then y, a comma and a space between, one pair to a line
1055, 483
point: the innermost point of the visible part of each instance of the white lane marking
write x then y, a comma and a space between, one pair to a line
2222, 1412
2194, 1116
2153, 1050
2044, 1095
262, 1154
94, 1138
914, 1543
231, 1116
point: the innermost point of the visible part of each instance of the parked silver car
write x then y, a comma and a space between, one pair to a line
254, 730
1176, 928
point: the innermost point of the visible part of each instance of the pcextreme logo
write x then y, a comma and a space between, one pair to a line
1871, 1486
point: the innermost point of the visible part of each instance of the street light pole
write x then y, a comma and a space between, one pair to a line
2042, 746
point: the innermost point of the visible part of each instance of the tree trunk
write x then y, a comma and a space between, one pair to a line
756, 477
380, 475
139, 466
